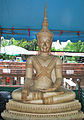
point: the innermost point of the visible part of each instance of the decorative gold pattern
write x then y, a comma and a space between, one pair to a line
43, 70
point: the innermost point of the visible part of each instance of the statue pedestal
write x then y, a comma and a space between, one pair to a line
21, 111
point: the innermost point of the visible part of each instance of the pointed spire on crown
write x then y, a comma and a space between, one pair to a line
45, 22
46, 10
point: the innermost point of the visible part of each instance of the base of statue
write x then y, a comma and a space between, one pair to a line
22, 111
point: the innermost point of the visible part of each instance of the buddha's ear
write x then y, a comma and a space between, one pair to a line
51, 37
37, 40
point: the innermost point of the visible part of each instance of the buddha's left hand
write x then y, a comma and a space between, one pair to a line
48, 90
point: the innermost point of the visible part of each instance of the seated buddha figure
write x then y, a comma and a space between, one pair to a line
45, 87
42, 97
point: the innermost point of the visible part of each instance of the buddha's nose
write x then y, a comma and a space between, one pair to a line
44, 43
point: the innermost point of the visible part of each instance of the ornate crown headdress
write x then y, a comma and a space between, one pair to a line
45, 31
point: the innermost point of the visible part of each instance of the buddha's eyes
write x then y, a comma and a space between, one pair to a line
47, 41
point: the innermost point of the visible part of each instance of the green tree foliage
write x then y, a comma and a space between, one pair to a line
75, 47
37, 48
29, 45
53, 49
4, 43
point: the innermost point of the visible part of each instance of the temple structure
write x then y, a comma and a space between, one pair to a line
42, 97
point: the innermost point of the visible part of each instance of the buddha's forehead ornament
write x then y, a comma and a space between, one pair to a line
45, 32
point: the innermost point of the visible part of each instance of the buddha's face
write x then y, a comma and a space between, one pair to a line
44, 44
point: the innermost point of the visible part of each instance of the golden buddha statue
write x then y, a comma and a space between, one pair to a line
42, 97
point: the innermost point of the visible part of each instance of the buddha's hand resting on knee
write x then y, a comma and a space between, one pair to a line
24, 94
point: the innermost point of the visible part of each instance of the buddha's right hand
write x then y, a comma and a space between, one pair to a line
24, 94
